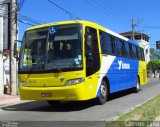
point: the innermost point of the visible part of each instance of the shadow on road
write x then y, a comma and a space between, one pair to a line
120, 94
43, 106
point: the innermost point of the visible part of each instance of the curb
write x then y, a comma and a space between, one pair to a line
9, 100
128, 110
114, 118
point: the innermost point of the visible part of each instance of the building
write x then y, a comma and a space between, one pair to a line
6, 46
158, 45
141, 38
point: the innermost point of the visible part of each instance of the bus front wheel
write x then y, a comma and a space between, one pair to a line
103, 93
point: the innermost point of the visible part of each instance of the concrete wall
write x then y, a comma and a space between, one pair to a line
4, 58
1, 56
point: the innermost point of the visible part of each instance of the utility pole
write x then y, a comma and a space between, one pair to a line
13, 64
133, 26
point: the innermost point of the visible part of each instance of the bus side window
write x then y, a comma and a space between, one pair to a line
114, 45
119, 47
106, 43
103, 43
133, 52
130, 49
127, 50
142, 54
139, 53
123, 48
137, 57
91, 51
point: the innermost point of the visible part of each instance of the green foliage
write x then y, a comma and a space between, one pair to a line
153, 65
143, 115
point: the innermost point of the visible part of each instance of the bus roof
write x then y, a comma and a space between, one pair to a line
84, 22
60, 23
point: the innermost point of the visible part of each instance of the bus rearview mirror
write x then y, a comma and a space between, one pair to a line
16, 51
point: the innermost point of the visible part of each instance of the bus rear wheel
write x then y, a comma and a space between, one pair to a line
137, 88
103, 93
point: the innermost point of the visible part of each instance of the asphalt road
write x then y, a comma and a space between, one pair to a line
80, 111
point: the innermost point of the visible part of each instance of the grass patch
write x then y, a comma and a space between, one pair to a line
141, 116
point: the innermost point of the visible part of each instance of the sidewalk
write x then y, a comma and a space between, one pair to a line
6, 100
150, 80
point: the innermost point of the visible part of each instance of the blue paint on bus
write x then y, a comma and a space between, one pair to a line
122, 74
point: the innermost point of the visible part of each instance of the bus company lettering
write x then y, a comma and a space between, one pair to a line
123, 65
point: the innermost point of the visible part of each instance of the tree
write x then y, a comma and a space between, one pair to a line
153, 65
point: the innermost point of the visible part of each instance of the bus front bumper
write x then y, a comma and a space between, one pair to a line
75, 92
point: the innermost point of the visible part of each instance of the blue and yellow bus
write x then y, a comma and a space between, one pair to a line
78, 60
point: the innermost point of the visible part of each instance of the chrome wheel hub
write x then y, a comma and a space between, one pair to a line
103, 91
138, 87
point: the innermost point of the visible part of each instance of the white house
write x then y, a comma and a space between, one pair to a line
4, 44
141, 38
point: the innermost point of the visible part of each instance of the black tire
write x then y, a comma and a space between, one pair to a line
103, 93
137, 88
54, 103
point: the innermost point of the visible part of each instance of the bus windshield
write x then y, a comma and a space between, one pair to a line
51, 49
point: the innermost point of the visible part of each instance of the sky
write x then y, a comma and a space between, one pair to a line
115, 15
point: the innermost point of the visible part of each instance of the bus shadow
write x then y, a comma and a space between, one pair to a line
120, 94
43, 106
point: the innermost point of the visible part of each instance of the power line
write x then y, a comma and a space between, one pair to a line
113, 9
98, 8
129, 10
32, 22
22, 18
71, 15
105, 11
35, 21
20, 4
151, 27
25, 22
28, 20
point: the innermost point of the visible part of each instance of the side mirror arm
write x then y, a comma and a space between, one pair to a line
15, 53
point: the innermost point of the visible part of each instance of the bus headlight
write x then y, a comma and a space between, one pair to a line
75, 81
22, 83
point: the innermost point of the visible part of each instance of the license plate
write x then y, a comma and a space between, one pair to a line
46, 94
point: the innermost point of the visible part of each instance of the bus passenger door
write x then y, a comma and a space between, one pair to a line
91, 53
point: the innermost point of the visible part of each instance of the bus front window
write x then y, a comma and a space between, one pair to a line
50, 48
